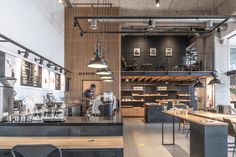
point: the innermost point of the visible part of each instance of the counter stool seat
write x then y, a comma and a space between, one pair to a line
35, 150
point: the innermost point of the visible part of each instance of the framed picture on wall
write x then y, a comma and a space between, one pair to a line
87, 86
169, 52
137, 52
153, 52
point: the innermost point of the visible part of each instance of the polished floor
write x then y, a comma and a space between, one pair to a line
144, 140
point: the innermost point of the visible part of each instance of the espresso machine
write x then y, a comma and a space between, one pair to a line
6, 97
54, 110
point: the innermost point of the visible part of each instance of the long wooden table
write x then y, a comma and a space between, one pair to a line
214, 116
208, 138
95, 142
77, 146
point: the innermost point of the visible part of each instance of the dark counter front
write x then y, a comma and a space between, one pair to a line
73, 126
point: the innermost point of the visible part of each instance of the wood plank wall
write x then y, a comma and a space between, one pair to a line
79, 50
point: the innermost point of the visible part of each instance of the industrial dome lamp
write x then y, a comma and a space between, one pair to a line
98, 62
215, 80
199, 84
104, 71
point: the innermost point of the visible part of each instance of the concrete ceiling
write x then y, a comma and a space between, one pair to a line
147, 7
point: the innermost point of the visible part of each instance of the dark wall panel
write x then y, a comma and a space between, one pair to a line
177, 43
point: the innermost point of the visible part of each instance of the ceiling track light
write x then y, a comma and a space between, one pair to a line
40, 60
93, 24
26, 53
55, 68
158, 3
49, 65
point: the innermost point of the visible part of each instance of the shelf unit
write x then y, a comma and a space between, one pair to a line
132, 101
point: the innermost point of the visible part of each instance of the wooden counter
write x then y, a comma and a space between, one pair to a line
214, 116
73, 126
65, 142
197, 119
208, 137
102, 146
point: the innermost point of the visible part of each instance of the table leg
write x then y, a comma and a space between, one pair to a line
173, 132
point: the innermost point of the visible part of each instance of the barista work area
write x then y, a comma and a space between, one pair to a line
118, 78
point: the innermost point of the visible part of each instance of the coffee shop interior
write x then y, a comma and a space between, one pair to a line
118, 78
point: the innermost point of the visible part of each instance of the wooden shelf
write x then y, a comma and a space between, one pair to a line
149, 95
132, 101
183, 95
169, 90
132, 90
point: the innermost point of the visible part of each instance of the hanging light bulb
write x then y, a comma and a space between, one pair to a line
97, 62
158, 3
60, 1
104, 71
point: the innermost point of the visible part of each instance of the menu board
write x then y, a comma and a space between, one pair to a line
57, 81
45, 78
63, 82
31, 74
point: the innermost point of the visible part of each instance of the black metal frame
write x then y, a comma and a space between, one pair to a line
82, 31
173, 132
167, 73
6, 39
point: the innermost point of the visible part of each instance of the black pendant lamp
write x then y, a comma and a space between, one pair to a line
215, 80
106, 77
97, 62
109, 80
198, 84
104, 71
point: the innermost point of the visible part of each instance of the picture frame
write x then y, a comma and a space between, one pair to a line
137, 52
153, 52
169, 52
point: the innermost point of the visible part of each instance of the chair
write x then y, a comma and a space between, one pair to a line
128, 66
231, 132
226, 109
185, 122
35, 150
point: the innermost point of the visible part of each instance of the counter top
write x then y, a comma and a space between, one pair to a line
196, 119
66, 142
214, 116
72, 121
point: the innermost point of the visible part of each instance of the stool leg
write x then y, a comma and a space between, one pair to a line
234, 145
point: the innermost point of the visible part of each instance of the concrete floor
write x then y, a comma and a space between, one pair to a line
144, 140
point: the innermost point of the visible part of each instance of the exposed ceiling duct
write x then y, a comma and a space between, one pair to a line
192, 25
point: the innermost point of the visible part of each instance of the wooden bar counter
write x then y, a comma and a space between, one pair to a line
208, 138
102, 146
73, 126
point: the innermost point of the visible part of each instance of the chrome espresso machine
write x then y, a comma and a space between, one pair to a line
6, 97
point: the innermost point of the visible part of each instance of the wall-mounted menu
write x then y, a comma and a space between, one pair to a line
57, 81
31, 74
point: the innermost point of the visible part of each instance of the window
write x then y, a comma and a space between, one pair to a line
232, 49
